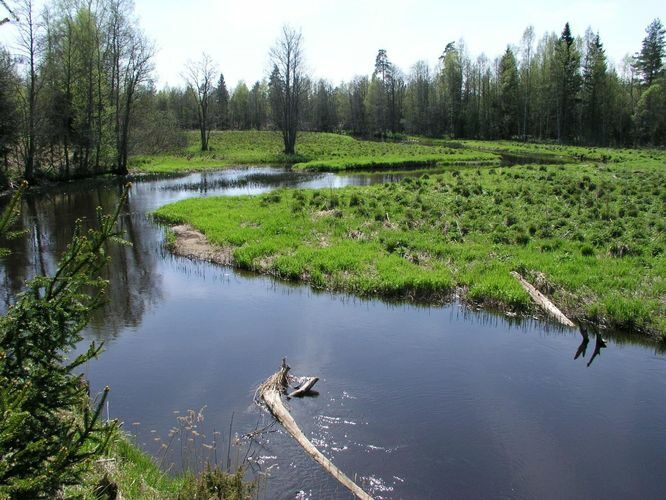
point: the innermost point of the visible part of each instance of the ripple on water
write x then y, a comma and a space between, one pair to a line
480, 405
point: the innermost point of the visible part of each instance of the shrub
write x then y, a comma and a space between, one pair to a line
272, 197
510, 220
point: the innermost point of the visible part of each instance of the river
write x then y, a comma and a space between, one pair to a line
414, 401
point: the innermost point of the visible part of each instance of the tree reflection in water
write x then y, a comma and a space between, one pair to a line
599, 344
48, 216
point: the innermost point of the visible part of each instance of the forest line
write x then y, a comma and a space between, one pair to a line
77, 95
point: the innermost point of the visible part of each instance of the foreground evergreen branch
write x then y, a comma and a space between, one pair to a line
10, 215
48, 431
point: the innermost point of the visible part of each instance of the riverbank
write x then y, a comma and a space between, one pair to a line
181, 334
336, 152
590, 236
128, 472
315, 150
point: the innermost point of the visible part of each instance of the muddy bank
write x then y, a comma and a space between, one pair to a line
190, 243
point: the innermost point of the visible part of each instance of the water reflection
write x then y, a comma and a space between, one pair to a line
599, 344
48, 217
135, 284
582, 348
418, 400
213, 182
516, 158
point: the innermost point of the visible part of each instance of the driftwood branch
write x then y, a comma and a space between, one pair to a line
304, 388
543, 301
270, 392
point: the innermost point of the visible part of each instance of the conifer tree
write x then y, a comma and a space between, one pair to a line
650, 60
452, 82
566, 79
221, 104
594, 91
49, 434
509, 95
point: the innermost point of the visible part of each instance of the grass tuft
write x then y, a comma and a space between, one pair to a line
593, 232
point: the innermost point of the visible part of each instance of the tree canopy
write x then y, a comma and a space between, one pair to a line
77, 98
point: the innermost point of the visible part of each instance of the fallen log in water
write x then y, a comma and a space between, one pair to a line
304, 388
271, 392
543, 301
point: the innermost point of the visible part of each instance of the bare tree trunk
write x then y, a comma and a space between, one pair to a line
29, 43
200, 78
137, 69
287, 57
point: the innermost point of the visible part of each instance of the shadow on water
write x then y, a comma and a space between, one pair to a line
211, 182
48, 217
134, 284
510, 159
414, 398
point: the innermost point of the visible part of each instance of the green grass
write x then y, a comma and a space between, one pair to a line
139, 476
589, 235
397, 162
557, 152
136, 475
170, 164
329, 151
134, 472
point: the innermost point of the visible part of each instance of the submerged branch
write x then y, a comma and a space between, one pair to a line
270, 392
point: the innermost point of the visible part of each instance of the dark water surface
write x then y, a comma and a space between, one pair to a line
417, 402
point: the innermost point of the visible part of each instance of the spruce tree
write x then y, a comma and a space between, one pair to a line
594, 91
222, 104
509, 95
451, 79
49, 433
650, 60
275, 97
566, 79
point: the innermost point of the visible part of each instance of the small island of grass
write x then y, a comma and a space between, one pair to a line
590, 235
316, 151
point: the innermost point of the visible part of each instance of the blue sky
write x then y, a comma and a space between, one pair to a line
341, 37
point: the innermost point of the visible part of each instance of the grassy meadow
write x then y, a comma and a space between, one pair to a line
315, 151
557, 152
590, 235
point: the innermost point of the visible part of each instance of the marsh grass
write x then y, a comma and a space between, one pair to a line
128, 470
557, 152
451, 158
590, 235
206, 467
330, 151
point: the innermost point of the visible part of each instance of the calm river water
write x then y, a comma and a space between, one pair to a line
415, 402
